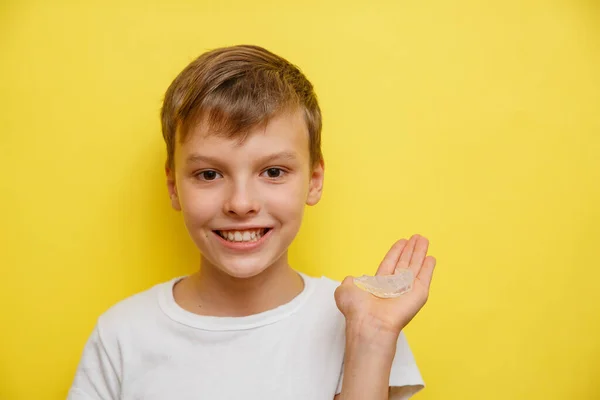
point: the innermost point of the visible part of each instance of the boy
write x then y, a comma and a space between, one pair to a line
242, 128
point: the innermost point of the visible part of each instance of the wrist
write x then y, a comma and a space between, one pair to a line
371, 334
368, 360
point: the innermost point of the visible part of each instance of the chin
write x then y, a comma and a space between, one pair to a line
240, 266
242, 270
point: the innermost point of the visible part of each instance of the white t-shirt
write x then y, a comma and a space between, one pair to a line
147, 347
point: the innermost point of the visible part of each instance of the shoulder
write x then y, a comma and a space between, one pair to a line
321, 305
323, 285
329, 284
322, 288
136, 312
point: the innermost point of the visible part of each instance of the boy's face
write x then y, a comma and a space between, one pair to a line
243, 203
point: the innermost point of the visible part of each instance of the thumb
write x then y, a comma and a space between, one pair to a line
347, 295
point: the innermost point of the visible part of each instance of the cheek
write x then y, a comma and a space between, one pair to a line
288, 204
197, 208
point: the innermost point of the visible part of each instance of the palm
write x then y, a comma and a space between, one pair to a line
391, 314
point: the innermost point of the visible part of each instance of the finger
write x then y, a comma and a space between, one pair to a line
390, 260
419, 254
407, 252
426, 271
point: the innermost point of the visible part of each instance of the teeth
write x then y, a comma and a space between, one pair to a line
243, 236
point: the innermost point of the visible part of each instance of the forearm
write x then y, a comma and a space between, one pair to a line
368, 362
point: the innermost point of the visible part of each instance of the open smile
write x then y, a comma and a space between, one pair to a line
247, 239
246, 235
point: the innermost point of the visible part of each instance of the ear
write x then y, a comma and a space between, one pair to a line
315, 187
172, 188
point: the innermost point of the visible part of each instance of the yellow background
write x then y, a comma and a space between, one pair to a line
475, 123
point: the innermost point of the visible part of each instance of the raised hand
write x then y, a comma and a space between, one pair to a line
363, 309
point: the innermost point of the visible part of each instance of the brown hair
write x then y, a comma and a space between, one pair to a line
234, 89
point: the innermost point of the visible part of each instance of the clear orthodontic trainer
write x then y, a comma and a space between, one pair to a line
387, 286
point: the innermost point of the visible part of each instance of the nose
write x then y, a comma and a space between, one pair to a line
242, 201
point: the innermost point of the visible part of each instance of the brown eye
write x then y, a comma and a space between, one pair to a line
209, 175
274, 172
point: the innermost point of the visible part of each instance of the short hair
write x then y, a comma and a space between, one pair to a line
235, 89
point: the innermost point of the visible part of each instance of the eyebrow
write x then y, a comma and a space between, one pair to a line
284, 155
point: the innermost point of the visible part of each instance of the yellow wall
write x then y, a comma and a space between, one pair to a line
476, 123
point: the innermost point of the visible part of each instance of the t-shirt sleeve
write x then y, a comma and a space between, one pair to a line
405, 378
97, 375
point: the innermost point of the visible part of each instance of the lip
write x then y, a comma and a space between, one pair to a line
243, 228
243, 246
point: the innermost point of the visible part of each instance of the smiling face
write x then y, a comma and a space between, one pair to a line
243, 203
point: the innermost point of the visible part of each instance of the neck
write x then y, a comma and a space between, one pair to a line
212, 292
